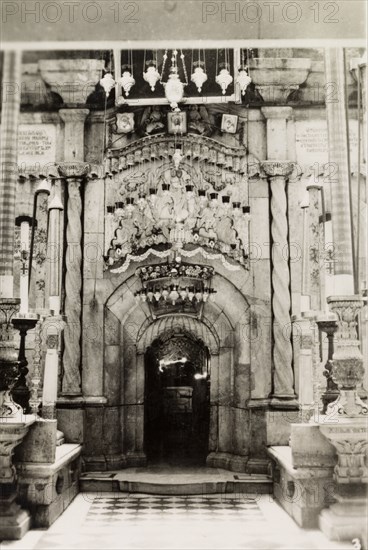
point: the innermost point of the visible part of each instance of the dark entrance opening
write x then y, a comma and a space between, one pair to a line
177, 398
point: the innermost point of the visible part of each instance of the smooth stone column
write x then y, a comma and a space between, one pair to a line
74, 120
338, 156
283, 376
277, 131
9, 158
74, 174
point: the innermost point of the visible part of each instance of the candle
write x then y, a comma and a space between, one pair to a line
24, 247
55, 209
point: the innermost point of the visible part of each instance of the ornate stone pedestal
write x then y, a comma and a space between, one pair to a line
346, 519
346, 427
347, 371
13, 428
15, 522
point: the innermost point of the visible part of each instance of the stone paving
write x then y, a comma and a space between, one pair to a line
137, 521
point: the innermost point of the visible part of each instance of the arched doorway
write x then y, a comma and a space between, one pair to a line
177, 400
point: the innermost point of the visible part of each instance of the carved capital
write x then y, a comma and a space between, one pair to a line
73, 115
350, 441
74, 170
346, 308
274, 168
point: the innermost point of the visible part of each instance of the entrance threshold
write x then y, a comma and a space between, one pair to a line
171, 480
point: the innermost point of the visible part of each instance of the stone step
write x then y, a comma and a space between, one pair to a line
184, 484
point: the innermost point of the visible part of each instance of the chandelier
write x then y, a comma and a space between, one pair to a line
175, 286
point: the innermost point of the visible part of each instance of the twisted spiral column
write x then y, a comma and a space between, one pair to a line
283, 376
74, 173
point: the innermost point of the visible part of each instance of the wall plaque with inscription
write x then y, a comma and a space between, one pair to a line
311, 138
36, 146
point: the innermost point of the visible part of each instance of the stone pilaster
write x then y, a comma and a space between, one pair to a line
283, 376
74, 174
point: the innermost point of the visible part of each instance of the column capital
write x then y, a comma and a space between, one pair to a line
74, 170
275, 168
73, 115
350, 440
346, 307
283, 113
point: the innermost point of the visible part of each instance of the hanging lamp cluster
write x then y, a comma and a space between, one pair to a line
170, 77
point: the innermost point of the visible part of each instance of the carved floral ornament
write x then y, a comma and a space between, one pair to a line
179, 194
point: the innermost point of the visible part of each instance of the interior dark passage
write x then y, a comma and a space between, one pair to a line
177, 401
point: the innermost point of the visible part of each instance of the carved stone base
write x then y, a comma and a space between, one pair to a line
345, 520
348, 404
227, 461
15, 522
136, 458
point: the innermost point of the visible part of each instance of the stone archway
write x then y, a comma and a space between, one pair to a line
223, 327
134, 375
177, 399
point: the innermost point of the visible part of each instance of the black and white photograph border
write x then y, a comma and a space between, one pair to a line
183, 275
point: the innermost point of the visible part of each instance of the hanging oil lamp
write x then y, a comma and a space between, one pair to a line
174, 88
151, 76
224, 79
127, 81
107, 83
243, 79
199, 76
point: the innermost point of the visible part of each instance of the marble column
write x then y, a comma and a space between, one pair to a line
9, 173
74, 174
74, 170
338, 156
283, 376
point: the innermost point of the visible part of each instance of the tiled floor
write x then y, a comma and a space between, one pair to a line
132, 521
